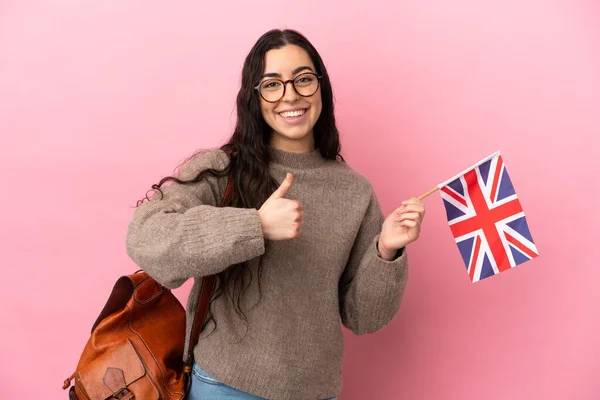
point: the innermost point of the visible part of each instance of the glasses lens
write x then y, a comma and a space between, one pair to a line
306, 84
271, 90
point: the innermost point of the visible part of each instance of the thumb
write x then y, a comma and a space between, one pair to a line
284, 187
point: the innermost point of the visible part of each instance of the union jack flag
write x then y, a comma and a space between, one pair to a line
486, 219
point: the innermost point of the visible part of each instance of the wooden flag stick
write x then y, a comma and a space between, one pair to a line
435, 189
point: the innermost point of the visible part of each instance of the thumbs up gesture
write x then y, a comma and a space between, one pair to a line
281, 218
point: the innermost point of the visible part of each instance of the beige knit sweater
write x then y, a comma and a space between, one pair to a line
292, 346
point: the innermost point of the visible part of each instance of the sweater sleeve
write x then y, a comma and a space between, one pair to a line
184, 234
371, 288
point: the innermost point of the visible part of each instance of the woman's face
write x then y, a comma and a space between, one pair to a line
292, 117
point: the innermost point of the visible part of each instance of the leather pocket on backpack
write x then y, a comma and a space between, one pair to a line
120, 368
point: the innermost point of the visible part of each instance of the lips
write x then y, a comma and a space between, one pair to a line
293, 113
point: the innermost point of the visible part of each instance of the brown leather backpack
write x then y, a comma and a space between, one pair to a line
136, 347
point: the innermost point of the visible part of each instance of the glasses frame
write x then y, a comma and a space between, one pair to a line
319, 77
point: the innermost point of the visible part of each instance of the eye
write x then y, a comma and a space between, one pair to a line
270, 85
304, 80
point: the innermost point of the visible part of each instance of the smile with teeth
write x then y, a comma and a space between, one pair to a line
292, 114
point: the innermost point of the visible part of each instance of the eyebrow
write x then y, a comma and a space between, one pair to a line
294, 72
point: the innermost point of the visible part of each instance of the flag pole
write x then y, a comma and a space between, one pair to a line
435, 189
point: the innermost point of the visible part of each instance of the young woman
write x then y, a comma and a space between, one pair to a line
302, 244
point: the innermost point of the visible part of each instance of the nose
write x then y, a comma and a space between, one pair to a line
290, 92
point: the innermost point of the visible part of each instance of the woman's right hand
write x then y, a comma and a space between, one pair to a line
281, 218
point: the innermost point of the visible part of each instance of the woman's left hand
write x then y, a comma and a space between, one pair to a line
401, 227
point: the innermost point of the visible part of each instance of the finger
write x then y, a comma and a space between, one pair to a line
285, 186
408, 210
413, 216
409, 223
414, 208
411, 205
412, 200
399, 210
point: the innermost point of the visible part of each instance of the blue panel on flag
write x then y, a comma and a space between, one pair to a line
519, 257
520, 225
457, 186
506, 188
486, 268
484, 169
451, 211
466, 249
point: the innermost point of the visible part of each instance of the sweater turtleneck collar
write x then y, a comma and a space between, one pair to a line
288, 159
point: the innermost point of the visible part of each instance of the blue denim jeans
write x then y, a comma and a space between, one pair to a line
205, 386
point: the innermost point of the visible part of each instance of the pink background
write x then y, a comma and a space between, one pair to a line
98, 100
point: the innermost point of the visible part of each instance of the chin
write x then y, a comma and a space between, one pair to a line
293, 134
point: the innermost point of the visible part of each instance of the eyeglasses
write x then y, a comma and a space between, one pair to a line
273, 90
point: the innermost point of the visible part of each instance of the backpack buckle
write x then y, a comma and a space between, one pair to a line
123, 394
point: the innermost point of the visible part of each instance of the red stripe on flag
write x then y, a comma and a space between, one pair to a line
454, 196
475, 257
496, 180
520, 246
488, 217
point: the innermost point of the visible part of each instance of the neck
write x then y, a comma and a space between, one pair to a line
304, 145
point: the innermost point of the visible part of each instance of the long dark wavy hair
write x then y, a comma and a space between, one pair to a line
248, 147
